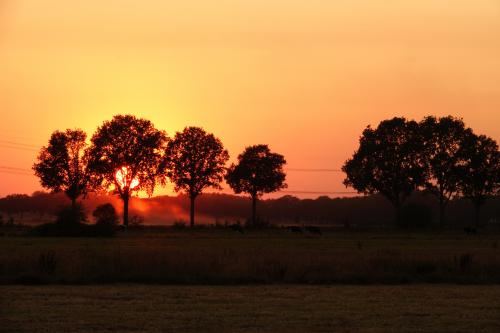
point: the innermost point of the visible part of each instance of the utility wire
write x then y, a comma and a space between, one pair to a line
312, 170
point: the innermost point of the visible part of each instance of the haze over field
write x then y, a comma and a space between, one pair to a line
321, 70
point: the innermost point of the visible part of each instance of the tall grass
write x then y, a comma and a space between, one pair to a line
224, 258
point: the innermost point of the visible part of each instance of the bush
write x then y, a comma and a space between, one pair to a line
136, 221
70, 215
416, 215
179, 224
105, 215
70, 223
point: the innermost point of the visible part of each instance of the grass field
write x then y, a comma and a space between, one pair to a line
279, 308
260, 257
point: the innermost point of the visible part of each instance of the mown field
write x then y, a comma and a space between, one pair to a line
223, 257
278, 308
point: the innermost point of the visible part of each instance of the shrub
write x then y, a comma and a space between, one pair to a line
47, 262
136, 221
71, 215
416, 215
105, 215
179, 224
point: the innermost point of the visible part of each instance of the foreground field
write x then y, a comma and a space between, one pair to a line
290, 308
260, 257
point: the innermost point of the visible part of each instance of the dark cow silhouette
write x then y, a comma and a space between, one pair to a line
237, 228
295, 229
470, 231
313, 230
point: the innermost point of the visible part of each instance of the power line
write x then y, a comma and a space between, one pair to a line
312, 170
320, 192
15, 173
17, 147
13, 169
17, 143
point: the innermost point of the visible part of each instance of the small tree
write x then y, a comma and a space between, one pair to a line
61, 165
71, 216
125, 155
388, 161
258, 171
195, 160
105, 215
480, 176
444, 157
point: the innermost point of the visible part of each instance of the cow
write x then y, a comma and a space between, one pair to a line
470, 231
237, 228
295, 229
313, 230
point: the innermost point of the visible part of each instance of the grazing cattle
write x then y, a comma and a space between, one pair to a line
294, 229
313, 230
470, 231
237, 228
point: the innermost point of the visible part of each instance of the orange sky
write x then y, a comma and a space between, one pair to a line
303, 76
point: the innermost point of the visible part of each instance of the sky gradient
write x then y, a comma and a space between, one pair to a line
305, 77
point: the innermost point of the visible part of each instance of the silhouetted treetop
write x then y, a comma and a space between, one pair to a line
480, 172
127, 141
131, 148
258, 171
61, 165
444, 156
388, 161
195, 160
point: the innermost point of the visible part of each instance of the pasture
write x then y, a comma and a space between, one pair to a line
275, 256
278, 308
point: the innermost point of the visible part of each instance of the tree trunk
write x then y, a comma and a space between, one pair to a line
73, 204
442, 215
191, 215
478, 213
254, 210
125, 210
397, 207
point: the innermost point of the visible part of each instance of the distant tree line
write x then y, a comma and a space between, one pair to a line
440, 156
420, 211
128, 154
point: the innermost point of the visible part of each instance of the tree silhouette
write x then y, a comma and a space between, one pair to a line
480, 176
195, 160
105, 215
61, 165
444, 156
125, 155
388, 161
258, 171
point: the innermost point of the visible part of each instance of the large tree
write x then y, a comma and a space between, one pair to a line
388, 161
195, 160
125, 155
444, 156
480, 176
258, 171
61, 165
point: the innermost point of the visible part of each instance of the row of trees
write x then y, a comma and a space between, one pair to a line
437, 155
128, 154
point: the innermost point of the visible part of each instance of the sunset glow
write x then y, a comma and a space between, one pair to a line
125, 180
304, 77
